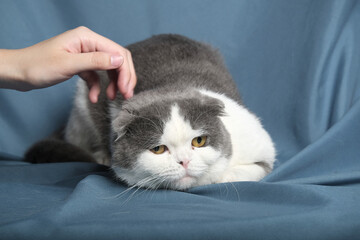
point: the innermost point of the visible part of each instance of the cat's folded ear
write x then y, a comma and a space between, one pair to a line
212, 106
120, 123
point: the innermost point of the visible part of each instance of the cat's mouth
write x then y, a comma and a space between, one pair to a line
187, 176
185, 182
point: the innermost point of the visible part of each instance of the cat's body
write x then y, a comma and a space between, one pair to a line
185, 125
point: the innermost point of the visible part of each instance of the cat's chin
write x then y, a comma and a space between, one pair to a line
184, 183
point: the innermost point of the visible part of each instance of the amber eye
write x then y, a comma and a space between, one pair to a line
199, 141
159, 149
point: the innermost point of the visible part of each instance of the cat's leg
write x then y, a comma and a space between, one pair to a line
246, 172
81, 129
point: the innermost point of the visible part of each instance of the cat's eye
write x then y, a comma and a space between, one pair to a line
199, 141
158, 149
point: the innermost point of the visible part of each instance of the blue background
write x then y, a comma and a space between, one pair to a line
296, 64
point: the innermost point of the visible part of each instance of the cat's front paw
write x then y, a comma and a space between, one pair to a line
232, 177
242, 173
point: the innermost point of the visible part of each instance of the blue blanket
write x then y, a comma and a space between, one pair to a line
296, 64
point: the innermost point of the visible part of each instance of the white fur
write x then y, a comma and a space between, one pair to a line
250, 142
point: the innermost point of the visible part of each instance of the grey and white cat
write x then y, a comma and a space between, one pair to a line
185, 126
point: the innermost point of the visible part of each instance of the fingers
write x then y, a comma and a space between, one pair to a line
123, 79
93, 83
93, 61
94, 92
87, 63
112, 88
124, 76
126, 80
132, 80
100, 53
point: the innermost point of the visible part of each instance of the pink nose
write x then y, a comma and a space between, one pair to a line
184, 163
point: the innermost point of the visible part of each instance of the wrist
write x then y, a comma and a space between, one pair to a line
12, 74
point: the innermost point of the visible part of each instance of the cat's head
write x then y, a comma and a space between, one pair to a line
170, 141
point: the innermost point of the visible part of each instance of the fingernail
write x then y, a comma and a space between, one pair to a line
116, 60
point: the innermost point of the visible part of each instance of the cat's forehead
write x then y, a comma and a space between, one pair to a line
192, 105
178, 130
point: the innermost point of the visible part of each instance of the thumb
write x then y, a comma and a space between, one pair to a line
95, 61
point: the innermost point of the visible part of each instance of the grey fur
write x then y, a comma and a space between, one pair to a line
169, 68
169, 62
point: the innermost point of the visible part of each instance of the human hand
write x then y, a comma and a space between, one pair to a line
77, 51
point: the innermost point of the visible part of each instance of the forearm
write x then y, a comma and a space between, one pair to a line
11, 70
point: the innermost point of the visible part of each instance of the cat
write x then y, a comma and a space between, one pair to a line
185, 126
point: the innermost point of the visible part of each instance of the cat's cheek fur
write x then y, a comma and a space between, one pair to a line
207, 165
160, 170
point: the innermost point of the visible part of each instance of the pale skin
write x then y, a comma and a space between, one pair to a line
79, 51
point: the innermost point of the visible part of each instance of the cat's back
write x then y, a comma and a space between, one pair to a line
171, 61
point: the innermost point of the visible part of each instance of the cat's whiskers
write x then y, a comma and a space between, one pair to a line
167, 185
145, 181
120, 194
169, 173
155, 185
140, 186
152, 177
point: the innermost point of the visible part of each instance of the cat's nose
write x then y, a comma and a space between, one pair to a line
184, 162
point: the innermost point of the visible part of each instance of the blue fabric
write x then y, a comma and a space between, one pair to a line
296, 64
